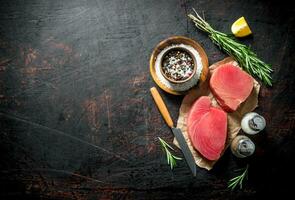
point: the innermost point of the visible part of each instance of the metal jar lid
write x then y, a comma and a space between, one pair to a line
242, 146
252, 123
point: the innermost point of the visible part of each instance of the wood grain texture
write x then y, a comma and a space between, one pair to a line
77, 118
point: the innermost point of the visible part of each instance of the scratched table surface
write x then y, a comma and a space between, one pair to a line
77, 118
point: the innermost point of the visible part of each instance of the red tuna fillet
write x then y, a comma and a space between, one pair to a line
207, 128
231, 86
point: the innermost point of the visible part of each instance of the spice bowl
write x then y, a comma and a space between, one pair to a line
191, 49
178, 65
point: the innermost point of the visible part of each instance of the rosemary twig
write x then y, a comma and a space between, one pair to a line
238, 180
171, 159
247, 59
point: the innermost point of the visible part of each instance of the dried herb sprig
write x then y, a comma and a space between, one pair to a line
238, 180
247, 59
171, 159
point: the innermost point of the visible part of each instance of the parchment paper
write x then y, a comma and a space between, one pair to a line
234, 118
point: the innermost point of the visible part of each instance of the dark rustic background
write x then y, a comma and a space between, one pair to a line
77, 119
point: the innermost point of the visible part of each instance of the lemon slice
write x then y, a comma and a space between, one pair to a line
240, 28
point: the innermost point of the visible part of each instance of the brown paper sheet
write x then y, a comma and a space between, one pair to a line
234, 118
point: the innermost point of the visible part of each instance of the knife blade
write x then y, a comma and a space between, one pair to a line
185, 150
176, 131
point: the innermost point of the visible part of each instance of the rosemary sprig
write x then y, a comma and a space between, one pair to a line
247, 59
238, 180
171, 159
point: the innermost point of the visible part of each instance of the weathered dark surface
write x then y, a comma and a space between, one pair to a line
77, 119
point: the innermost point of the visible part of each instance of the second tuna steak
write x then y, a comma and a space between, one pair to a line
231, 86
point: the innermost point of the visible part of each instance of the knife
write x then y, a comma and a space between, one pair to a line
176, 131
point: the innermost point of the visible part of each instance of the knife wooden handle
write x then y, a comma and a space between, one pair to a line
162, 107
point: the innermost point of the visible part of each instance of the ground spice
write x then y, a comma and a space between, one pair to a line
242, 146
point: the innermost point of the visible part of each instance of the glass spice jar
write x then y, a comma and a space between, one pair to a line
252, 123
242, 146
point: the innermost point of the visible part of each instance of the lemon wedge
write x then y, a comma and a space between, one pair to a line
240, 28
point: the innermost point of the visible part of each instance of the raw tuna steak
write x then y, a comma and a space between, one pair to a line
231, 86
207, 128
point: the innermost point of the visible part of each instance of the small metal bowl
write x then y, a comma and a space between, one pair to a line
194, 62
